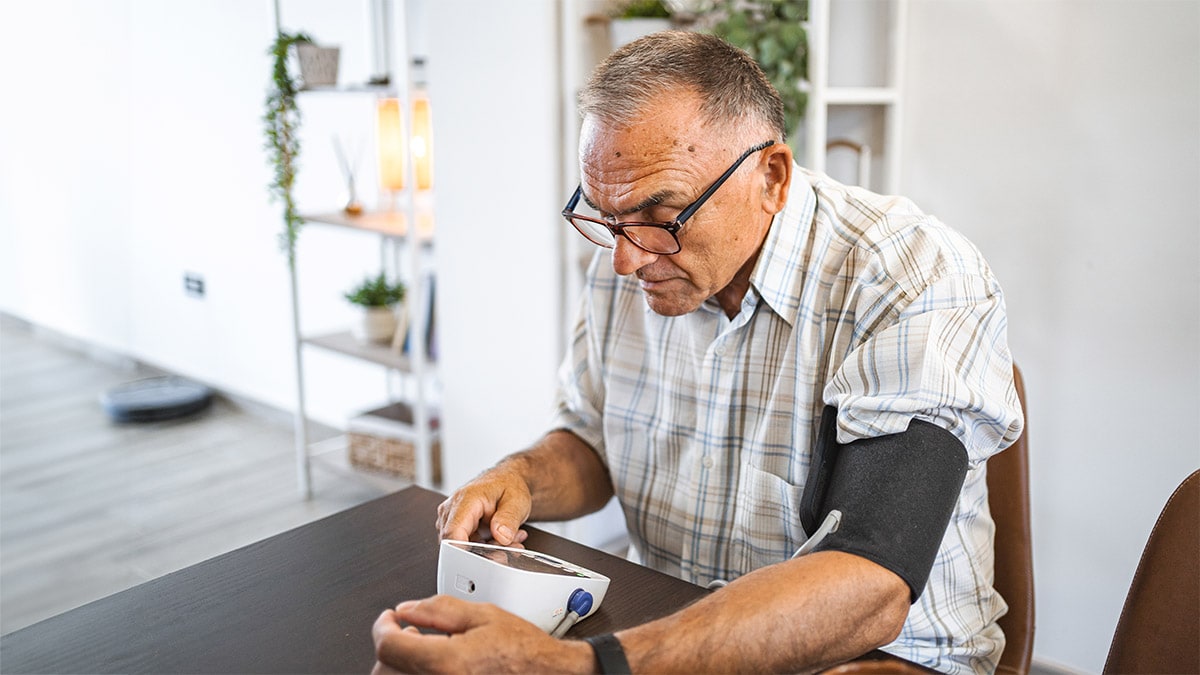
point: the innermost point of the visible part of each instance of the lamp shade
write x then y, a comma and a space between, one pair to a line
422, 141
389, 131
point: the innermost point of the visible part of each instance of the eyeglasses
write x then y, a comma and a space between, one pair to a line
656, 238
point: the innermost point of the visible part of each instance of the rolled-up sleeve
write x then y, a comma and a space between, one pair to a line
930, 342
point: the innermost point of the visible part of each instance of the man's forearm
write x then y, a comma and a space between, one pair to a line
566, 478
804, 614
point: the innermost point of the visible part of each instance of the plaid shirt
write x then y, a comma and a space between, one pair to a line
707, 424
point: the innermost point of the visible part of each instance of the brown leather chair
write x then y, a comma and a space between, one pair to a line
1008, 499
1159, 628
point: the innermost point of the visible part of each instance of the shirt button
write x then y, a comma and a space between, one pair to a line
707, 462
719, 350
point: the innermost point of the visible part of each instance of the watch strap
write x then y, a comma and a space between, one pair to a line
609, 654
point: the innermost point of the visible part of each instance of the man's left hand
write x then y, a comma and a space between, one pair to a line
471, 637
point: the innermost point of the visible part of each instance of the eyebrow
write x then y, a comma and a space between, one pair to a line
653, 200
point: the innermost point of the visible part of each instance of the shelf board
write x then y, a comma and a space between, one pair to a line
357, 88
861, 96
389, 223
344, 342
396, 418
394, 421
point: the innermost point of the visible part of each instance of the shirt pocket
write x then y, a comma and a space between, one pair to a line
766, 527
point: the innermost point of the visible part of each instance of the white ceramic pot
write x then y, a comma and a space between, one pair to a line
623, 31
375, 324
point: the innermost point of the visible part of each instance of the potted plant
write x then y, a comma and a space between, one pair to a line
631, 19
772, 32
377, 297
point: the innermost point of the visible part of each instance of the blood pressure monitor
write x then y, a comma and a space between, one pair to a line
546, 591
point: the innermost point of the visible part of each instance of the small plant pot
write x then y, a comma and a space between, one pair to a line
624, 31
318, 65
375, 325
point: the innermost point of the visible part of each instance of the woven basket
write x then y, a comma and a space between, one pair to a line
382, 440
394, 456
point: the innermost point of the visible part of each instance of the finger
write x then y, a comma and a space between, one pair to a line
441, 613
506, 522
388, 623
384, 633
402, 649
458, 517
410, 651
383, 669
517, 542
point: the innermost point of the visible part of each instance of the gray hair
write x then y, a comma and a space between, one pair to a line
731, 86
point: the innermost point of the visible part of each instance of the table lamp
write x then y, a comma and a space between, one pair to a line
389, 131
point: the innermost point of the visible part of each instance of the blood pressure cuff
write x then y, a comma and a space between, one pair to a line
896, 494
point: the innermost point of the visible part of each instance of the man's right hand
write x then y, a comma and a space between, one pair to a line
490, 508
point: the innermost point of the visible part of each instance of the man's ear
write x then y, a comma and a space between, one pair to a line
777, 169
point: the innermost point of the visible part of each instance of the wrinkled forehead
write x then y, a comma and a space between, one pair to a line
623, 170
670, 132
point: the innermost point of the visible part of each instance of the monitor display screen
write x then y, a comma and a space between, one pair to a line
529, 561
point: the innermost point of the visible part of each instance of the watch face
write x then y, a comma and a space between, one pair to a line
529, 561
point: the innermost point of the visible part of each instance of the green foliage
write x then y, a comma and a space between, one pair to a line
281, 123
376, 292
640, 9
771, 32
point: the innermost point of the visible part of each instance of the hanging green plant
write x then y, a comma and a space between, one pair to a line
773, 34
281, 124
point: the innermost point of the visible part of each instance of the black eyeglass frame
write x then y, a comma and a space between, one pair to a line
672, 228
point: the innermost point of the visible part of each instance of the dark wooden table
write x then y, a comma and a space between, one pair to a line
304, 601
300, 602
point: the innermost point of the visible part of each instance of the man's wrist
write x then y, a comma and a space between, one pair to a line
610, 656
518, 468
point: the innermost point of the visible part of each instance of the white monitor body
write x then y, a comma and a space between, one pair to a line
532, 585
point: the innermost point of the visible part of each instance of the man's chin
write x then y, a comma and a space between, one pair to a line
669, 306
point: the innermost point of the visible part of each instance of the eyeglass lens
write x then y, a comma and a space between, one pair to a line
657, 238
653, 239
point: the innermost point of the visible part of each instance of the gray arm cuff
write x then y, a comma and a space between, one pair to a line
896, 494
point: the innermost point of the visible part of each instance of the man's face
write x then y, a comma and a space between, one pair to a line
650, 172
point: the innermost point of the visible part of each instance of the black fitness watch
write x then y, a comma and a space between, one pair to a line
609, 654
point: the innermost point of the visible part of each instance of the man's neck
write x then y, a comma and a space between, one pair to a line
730, 297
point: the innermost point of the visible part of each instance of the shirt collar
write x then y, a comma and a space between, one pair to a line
779, 272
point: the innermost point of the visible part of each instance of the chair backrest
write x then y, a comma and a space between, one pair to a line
1008, 499
1159, 628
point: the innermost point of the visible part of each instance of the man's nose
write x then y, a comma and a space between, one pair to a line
628, 258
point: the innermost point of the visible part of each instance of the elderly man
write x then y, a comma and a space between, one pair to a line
765, 363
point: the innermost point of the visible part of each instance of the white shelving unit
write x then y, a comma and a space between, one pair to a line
415, 365
405, 253
823, 98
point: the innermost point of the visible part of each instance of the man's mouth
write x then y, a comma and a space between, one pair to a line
650, 284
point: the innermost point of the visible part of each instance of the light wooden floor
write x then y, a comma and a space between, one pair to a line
89, 507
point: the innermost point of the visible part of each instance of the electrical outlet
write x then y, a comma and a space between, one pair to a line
193, 284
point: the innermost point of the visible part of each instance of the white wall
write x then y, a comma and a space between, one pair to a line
493, 67
1064, 139
133, 153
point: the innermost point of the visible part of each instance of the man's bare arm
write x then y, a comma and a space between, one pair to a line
798, 616
559, 477
804, 614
